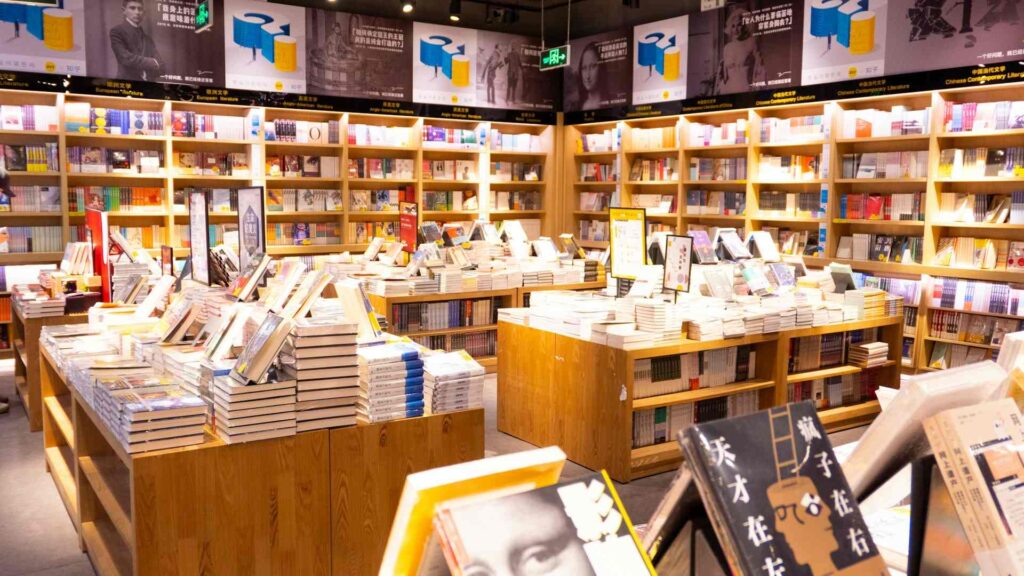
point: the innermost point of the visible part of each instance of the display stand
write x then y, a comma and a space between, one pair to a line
316, 503
555, 389
25, 343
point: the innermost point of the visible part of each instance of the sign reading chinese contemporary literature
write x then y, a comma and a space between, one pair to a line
552, 58
198, 235
408, 224
628, 246
677, 262
252, 225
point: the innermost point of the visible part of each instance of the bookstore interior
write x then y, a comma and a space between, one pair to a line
264, 267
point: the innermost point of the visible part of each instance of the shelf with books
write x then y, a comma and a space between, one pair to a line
446, 183
920, 139
880, 223
449, 214
18, 136
319, 214
506, 183
712, 148
437, 153
961, 342
300, 181
591, 213
588, 183
690, 396
372, 215
833, 371
656, 151
598, 154
713, 183
723, 217
499, 154
16, 174
513, 213
291, 250
30, 257
652, 182
18, 214
788, 182
798, 145
380, 182
982, 180
845, 417
299, 146
974, 312
805, 220
447, 331
185, 142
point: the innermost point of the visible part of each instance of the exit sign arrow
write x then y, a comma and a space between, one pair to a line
554, 57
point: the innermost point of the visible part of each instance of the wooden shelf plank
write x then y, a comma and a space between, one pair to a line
844, 417
388, 300
834, 371
59, 408
57, 457
923, 138
109, 557
111, 482
932, 307
962, 343
716, 147
448, 331
690, 396
880, 181
655, 458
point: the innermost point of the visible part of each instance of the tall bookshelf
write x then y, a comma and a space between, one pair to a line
257, 150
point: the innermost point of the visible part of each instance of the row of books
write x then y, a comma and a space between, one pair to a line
910, 321
714, 202
983, 116
375, 200
987, 208
792, 242
303, 200
596, 201
835, 391
664, 424
303, 233
825, 350
29, 157
448, 200
215, 233
597, 172
981, 162
382, 168
976, 296
945, 355
654, 169
443, 137
799, 204
718, 169
881, 248
85, 118
363, 232
793, 167
897, 206
670, 374
797, 129
608, 140
295, 166
21, 239
972, 328
720, 135
449, 170
897, 164
502, 200
188, 124
31, 199
31, 117
302, 131
874, 123
909, 290
373, 135
652, 138
907, 351
99, 160
5, 313
524, 142
476, 344
516, 171
423, 316
115, 199
979, 253
211, 164
390, 382
593, 230
654, 203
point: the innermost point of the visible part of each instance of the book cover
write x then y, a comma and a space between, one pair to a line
777, 497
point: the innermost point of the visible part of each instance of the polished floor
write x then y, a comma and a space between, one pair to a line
36, 535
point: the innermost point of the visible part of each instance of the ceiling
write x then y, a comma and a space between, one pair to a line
588, 16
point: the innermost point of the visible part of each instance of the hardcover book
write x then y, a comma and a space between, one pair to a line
777, 497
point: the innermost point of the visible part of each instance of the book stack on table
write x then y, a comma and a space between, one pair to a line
320, 355
390, 382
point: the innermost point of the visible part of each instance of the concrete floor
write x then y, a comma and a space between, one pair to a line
37, 538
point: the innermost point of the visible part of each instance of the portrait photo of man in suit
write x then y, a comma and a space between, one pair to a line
136, 53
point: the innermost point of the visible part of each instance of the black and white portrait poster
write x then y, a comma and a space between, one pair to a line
508, 73
264, 46
599, 73
155, 41
745, 47
43, 38
252, 225
358, 56
931, 34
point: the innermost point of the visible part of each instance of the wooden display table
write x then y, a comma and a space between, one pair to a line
25, 342
559, 390
523, 301
316, 503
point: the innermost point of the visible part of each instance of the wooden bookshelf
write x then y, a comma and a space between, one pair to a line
206, 507
579, 395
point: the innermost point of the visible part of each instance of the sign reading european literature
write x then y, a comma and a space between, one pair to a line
557, 57
252, 225
628, 246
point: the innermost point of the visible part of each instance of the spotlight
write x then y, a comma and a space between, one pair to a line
455, 10
408, 6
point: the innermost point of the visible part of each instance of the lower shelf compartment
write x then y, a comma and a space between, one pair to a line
58, 458
109, 555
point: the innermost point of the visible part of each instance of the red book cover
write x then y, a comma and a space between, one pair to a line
407, 225
873, 208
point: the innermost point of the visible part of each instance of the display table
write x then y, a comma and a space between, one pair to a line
25, 341
316, 503
555, 389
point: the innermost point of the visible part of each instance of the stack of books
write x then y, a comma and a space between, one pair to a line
451, 382
870, 302
320, 355
150, 413
869, 354
34, 302
390, 383
247, 412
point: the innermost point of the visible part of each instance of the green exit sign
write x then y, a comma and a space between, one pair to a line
204, 15
554, 57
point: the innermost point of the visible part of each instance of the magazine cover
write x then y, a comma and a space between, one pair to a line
44, 38
659, 60
154, 41
358, 56
598, 75
264, 46
843, 40
444, 65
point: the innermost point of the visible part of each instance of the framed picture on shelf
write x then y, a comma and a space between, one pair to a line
678, 260
628, 241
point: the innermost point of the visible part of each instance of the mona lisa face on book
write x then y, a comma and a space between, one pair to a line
536, 538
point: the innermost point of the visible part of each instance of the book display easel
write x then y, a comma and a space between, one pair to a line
344, 209
292, 498
905, 208
587, 390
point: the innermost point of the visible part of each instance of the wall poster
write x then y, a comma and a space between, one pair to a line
43, 38
598, 75
508, 73
264, 46
444, 66
843, 40
659, 61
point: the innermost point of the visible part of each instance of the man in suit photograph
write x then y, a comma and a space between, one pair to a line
137, 57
